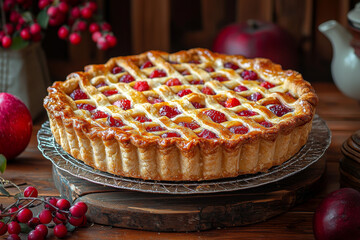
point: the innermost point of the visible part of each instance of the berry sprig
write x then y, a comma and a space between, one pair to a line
22, 23
57, 213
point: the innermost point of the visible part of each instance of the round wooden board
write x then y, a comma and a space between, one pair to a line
183, 213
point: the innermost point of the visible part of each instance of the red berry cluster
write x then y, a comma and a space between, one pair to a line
73, 16
57, 213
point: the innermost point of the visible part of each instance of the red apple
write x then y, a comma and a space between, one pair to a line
15, 125
338, 216
257, 39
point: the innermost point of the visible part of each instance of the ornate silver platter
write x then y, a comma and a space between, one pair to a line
319, 140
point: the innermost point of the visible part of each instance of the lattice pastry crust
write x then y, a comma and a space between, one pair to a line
191, 115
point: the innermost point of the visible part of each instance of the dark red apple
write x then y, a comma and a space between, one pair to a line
258, 39
338, 216
15, 125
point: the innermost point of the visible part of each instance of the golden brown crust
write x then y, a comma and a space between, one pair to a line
133, 152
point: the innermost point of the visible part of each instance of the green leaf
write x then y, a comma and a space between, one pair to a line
70, 227
3, 191
27, 16
2, 163
43, 18
25, 228
18, 43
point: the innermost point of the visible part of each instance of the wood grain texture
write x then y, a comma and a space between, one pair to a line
342, 115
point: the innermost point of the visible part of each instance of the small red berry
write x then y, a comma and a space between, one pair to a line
278, 109
92, 6
63, 32
86, 12
208, 91
13, 237
9, 28
111, 40
77, 211
25, 34
24, 215
76, 221
112, 122
3, 228
52, 11
14, 227
75, 38
63, 204
81, 26
35, 235
52, 201
267, 85
14, 17
255, 96
249, 75
97, 115
266, 124
94, 27
75, 12
127, 78
6, 41
170, 135
42, 229
35, 28
110, 92
146, 64
45, 216
142, 119
63, 7
117, 70
168, 111
30, 192
221, 78
33, 222
197, 105
78, 94
239, 129
106, 27
43, 4
157, 73
95, 36
191, 125
102, 44
60, 230
231, 65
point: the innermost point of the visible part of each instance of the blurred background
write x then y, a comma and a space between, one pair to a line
142, 25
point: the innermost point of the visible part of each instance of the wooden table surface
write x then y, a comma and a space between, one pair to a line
342, 115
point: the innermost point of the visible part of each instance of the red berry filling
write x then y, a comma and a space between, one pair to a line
209, 69
125, 104
141, 86
85, 106
185, 73
117, 70
191, 125
249, 75
247, 113
207, 134
197, 82
197, 105
157, 73
221, 78
267, 85
153, 100
231, 65
240, 88
112, 122
110, 92
169, 111
279, 110
232, 102
142, 119
127, 78
102, 84
146, 65
154, 129
255, 97
266, 124
99, 114
184, 92
173, 82
170, 135
207, 91
216, 116
78, 94
222, 103
239, 129
194, 61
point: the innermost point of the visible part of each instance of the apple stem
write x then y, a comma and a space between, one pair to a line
252, 23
